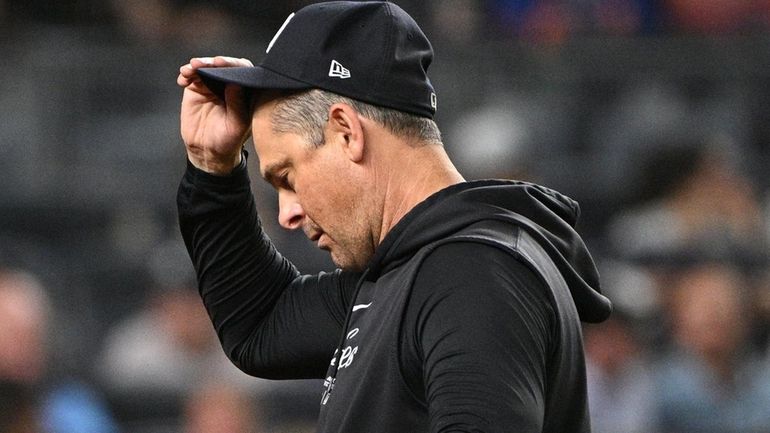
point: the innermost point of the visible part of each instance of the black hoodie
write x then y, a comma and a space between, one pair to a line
466, 319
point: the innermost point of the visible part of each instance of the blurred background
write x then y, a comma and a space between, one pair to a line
651, 113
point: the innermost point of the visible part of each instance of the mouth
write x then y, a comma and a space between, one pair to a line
318, 237
322, 242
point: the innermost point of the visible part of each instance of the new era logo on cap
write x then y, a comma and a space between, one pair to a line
337, 70
372, 51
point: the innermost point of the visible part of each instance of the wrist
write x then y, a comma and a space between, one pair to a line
238, 177
218, 165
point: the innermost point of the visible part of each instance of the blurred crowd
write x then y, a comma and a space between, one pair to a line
551, 21
651, 113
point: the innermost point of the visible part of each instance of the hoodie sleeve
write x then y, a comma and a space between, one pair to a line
481, 328
272, 322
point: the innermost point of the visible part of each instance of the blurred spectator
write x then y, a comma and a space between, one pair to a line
215, 407
457, 21
200, 23
540, 21
514, 135
634, 291
24, 307
646, 116
157, 21
620, 389
39, 403
702, 204
761, 308
18, 408
711, 380
165, 348
496, 139
555, 21
157, 355
624, 17
714, 16
73, 407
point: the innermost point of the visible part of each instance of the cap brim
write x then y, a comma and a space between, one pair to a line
253, 77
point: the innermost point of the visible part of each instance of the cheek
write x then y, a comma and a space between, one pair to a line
323, 194
317, 204
329, 190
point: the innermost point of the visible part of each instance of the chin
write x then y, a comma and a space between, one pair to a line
347, 264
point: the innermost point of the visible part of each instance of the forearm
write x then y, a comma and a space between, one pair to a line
240, 274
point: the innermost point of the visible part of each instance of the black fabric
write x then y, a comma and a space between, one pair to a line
481, 374
371, 51
466, 319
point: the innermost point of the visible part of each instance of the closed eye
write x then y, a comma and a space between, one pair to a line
282, 182
277, 175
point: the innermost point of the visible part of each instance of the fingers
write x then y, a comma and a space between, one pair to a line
201, 62
218, 62
188, 73
187, 76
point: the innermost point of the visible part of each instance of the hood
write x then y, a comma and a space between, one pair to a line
548, 216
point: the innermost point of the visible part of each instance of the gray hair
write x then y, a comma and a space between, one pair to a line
307, 112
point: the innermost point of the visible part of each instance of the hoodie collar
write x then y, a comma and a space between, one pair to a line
547, 215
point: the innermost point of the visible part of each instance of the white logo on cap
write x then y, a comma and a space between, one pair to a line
433, 100
337, 70
283, 26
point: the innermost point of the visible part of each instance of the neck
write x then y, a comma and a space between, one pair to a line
412, 175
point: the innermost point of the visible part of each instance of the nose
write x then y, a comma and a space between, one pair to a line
290, 212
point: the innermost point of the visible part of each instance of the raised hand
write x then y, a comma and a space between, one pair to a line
213, 130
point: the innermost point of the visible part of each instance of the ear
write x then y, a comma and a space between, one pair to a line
345, 129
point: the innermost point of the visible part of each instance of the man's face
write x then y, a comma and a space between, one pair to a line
320, 190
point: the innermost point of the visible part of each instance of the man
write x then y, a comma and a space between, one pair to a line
29, 402
458, 304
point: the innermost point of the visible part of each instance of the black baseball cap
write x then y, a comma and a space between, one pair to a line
372, 51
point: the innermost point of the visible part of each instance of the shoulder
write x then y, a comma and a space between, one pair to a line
465, 259
479, 301
471, 277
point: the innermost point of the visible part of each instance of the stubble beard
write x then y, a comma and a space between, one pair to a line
352, 256
354, 249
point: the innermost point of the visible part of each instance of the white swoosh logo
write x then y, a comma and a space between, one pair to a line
361, 306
